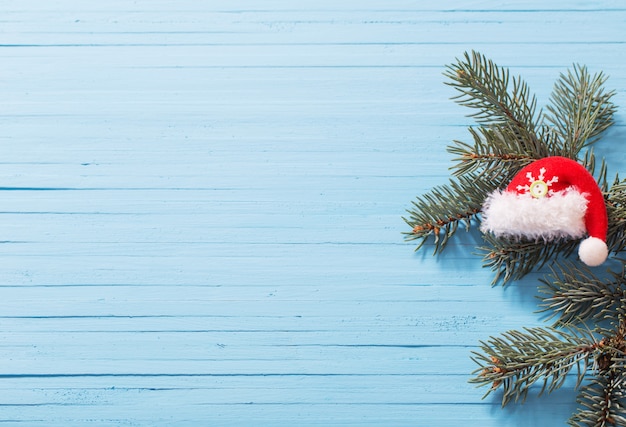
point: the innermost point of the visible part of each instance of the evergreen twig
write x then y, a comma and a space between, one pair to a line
616, 210
511, 259
439, 212
493, 151
518, 359
602, 402
574, 294
580, 109
485, 86
506, 113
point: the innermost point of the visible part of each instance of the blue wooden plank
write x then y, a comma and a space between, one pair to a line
201, 202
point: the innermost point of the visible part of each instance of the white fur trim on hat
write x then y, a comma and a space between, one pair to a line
508, 214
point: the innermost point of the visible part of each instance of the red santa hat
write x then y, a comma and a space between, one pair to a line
549, 199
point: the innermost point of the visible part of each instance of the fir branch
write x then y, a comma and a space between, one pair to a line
439, 212
495, 151
601, 402
499, 100
517, 360
616, 210
580, 109
575, 294
509, 136
589, 161
512, 260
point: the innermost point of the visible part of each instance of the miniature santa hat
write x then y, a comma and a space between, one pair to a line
549, 199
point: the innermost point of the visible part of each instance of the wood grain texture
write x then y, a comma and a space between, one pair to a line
201, 208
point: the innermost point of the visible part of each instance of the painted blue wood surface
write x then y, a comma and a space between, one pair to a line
201, 208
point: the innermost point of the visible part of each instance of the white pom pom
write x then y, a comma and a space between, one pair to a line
593, 251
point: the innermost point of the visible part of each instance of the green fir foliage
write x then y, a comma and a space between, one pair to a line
573, 294
518, 359
580, 109
601, 403
587, 337
511, 133
440, 212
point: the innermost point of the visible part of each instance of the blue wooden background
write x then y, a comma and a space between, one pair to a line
201, 201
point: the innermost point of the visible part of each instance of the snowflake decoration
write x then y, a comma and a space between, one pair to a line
538, 187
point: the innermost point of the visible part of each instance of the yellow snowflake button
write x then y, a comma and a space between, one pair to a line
538, 189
